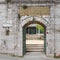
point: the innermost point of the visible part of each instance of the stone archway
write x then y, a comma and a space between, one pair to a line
24, 21
24, 36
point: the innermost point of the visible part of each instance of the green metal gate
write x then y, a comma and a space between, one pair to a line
45, 40
24, 41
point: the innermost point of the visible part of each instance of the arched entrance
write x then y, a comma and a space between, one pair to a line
24, 22
24, 36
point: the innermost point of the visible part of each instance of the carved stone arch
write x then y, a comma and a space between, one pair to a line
35, 18
24, 21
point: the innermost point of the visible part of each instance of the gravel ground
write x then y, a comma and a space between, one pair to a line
28, 56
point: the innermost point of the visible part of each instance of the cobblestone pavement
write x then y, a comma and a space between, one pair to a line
28, 56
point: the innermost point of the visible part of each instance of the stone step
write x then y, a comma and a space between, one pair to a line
35, 47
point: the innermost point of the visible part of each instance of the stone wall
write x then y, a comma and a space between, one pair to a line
8, 15
34, 11
3, 18
57, 30
13, 44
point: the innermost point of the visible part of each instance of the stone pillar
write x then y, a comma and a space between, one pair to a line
57, 30
3, 17
50, 37
20, 42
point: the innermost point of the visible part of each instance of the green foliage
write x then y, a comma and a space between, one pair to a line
39, 27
